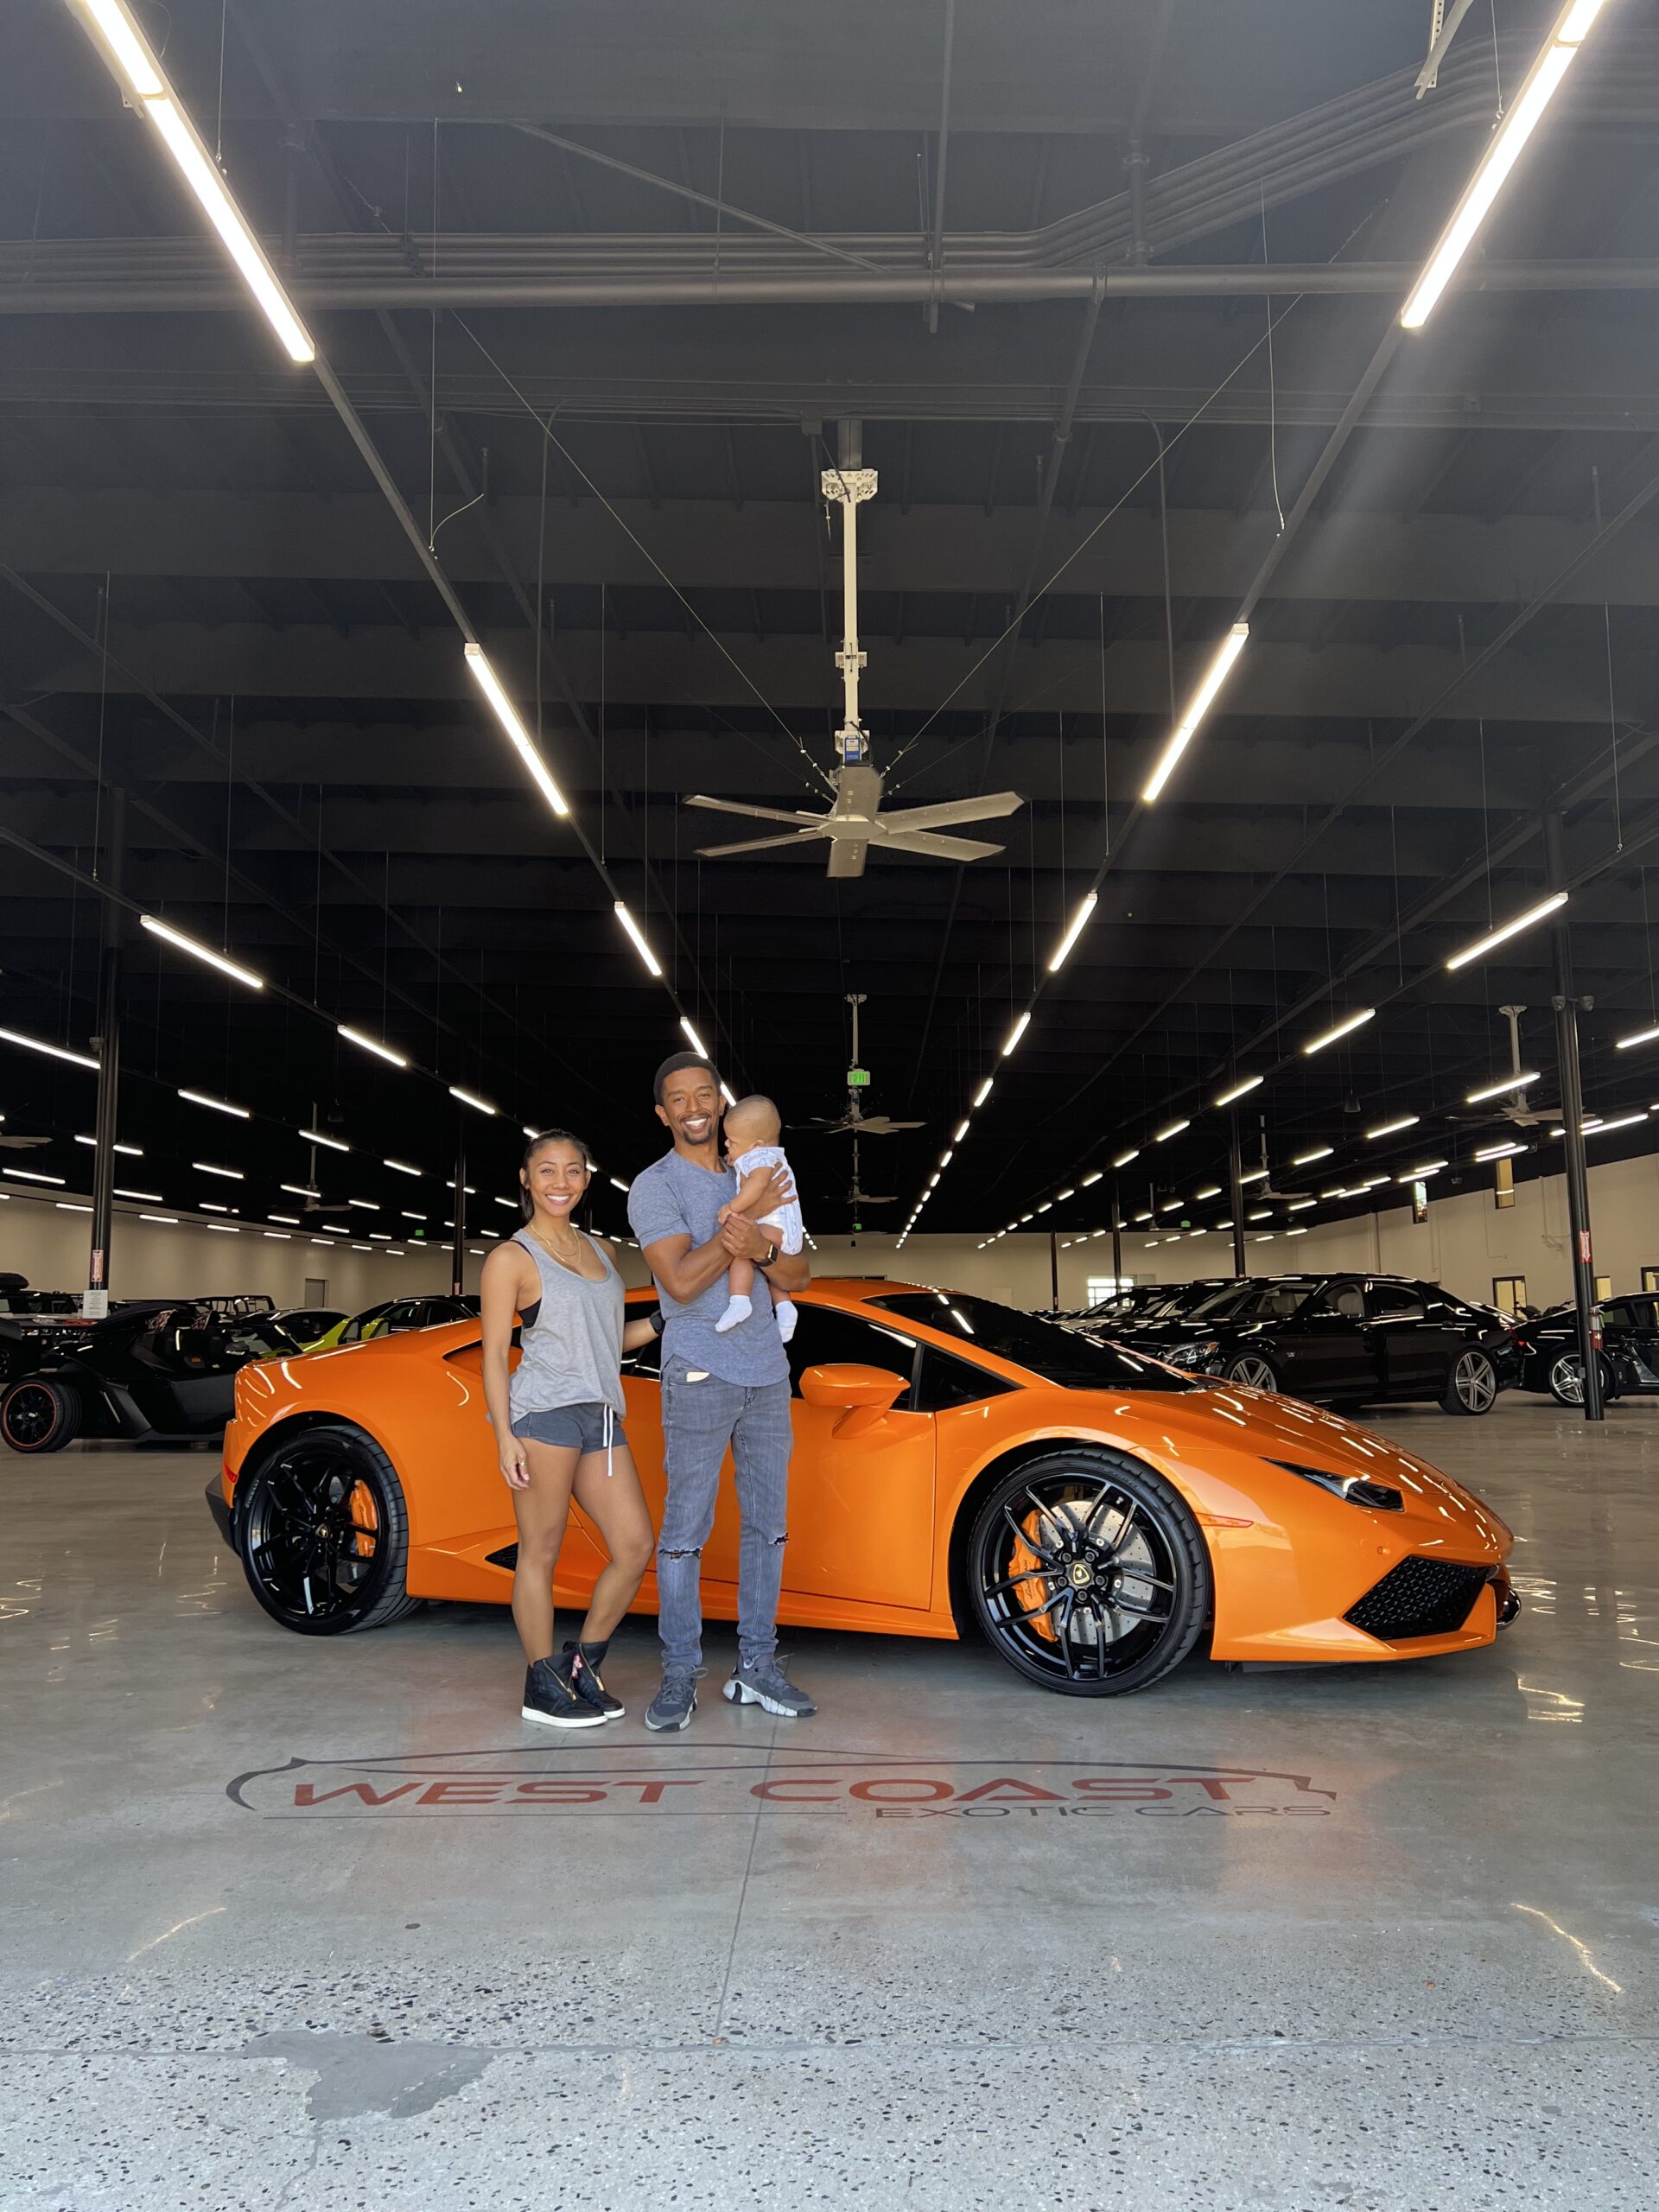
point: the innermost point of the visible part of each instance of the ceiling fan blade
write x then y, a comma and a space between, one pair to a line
866, 1198
755, 845
951, 810
936, 849
23, 1144
760, 813
847, 857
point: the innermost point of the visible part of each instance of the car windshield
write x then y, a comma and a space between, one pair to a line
1032, 1341
1254, 1301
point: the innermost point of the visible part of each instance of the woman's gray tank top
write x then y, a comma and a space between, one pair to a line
573, 1351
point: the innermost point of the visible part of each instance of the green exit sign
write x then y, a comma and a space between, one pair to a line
857, 1078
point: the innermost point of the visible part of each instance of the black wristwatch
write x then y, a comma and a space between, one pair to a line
658, 1321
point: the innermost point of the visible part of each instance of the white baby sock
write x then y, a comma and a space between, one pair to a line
785, 1312
737, 1309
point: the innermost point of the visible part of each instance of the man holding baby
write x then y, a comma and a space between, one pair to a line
721, 1386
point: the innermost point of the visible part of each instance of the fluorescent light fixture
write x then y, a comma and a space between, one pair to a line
172, 1219
1637, 1037
960, 1131
1263, 1213
1064, 1195
380, 1236
1079, 921
217, 1105
945, 1159
984, 1090
1046, 1206
1147, 1216
617, 1184
1298, 1205
1223, 1225
1170, 1206
1266, 1237
1428, 1167
728, 1093
695, 1041
1506, 930
52, 1052
471, 1188
1254, 1175
362, 1248
1171, 1129
334, 1228
288, 1220
208, 1206
1296, 1232
411, 1216
1370, 1184
132, 1151
370, 1045
207, 1167
1624, 1122
401, 1167
468, 1098
178, 939
1392, 1128
1518, 1081
1502, 152
1316, 1152
1417, 1175
299, 1189
1181, 736
619, 908
364, 1205
1247, 1083
507, 714
1092, 1178
1017, 1033
1025, 1217
144, 1198
1210, 1191
316, 1136
127, 50
278, 1235
531, 1134
29, 1175
512, 1205
224, 1228
1503, 1151
1345, 1027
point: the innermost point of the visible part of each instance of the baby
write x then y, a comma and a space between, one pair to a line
752, 1129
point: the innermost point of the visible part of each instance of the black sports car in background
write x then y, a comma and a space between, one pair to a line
1342, 1340
1551, 1360
159, 1368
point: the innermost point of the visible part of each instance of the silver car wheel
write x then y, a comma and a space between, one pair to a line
1255, 1374
1567, 1378
1476, 1381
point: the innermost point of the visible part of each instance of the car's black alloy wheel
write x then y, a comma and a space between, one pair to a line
323, 1534
1087, 1572
40, 1414
1472, 1385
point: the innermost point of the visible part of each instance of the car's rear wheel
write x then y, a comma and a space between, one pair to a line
1087, 1572
1566, 1379
40, 1414
322, 1531
1471, 1384
1255, 1372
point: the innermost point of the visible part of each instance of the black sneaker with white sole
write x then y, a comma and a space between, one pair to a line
766, 1685
580, 1668
550, 1700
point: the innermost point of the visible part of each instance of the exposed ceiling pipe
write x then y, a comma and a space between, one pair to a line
936, 240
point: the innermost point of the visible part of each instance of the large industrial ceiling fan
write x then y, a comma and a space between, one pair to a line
855, 824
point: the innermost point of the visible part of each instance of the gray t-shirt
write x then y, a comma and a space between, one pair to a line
676, 1198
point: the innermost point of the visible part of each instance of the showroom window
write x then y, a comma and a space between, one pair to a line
1101, 1287
1509, 1293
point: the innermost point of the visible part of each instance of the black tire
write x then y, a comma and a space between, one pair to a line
1057, 1541
322, 1532
1566, 1380
1253, 1372
38, 1413
1471, 1384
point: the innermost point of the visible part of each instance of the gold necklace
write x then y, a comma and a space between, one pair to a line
573, 1264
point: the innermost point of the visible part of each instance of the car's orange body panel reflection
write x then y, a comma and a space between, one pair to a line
878, 1499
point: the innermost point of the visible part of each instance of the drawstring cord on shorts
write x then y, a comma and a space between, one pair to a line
610, 1431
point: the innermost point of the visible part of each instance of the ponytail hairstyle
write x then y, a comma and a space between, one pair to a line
527, 1204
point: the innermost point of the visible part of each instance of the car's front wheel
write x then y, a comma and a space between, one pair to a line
1471, 1384
1566, 1379
1087, 1572
1255, 1372
322, 1532
40, 1414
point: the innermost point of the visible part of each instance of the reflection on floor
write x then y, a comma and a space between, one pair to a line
316, 1924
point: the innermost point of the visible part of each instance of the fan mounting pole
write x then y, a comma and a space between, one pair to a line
849, 484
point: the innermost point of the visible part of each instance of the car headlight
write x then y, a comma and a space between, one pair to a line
1354, 1489
1192, 1355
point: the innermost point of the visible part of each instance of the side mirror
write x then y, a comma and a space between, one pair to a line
865, 1393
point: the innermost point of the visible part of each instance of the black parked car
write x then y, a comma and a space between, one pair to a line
1149, 1304
1342, 1340
1551, 1360
159, 1369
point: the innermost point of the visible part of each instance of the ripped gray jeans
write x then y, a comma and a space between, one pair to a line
699, 1420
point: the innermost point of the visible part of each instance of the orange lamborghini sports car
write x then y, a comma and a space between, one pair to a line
1093, 1512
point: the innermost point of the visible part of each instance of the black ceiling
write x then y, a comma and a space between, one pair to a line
205, 596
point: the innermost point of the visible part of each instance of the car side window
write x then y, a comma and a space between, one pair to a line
1387, 1301
824, 1337
946, 1381
1616, 1318
1343, 1299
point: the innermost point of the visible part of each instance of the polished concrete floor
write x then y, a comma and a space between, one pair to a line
316, 1925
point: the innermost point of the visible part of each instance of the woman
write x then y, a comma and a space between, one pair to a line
558, 1421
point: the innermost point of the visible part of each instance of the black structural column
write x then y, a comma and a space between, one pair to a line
1117, 1240
458, 1233
1578, 1180
1236, 1192
95, 1301
1053, 1273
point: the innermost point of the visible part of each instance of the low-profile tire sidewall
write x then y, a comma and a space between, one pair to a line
1452, 1401
1276, 1386
385, 1597
65, 1429
1194, 1600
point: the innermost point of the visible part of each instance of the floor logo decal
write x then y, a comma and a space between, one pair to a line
662, 1783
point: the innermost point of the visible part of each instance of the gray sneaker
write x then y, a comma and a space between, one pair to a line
675, 1703
764, 1685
